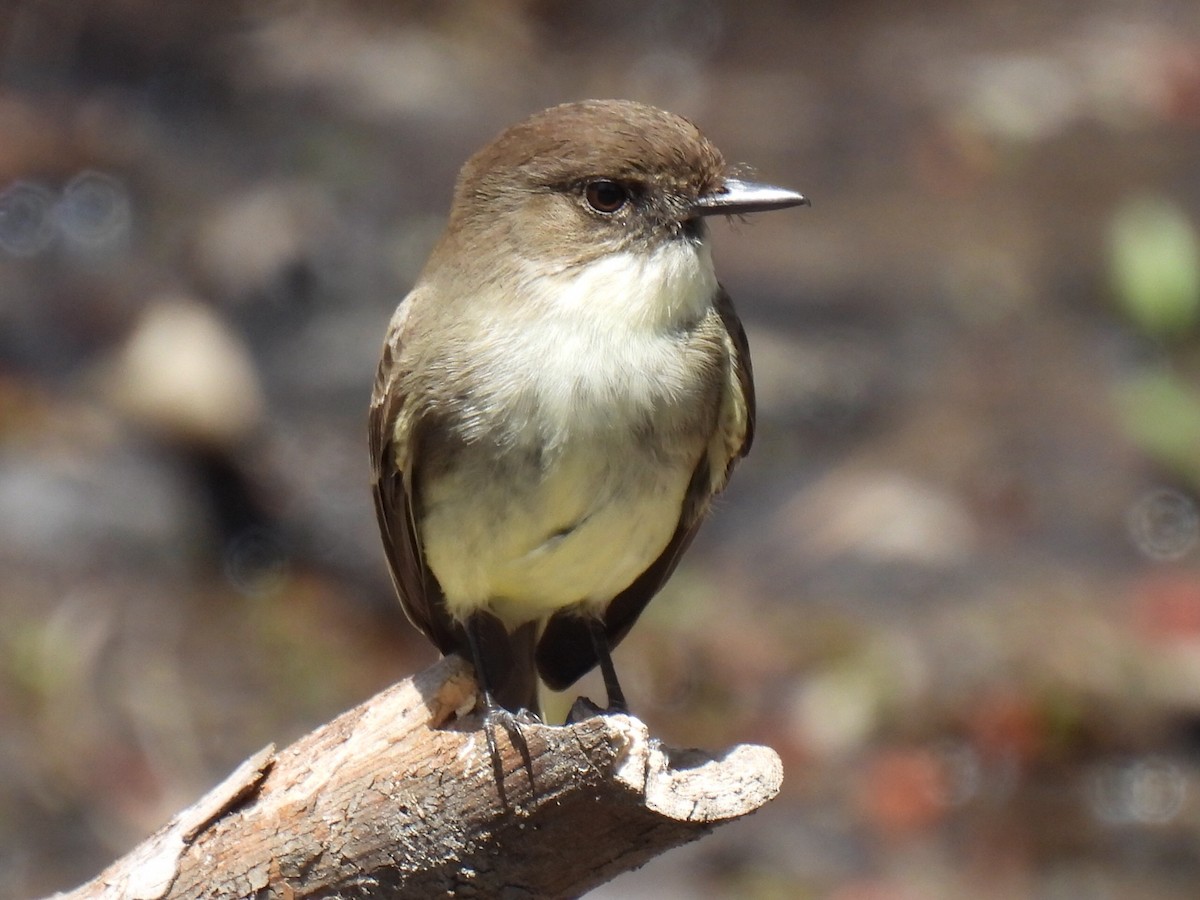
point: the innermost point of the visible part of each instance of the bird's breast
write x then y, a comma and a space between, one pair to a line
628, 343
566, 472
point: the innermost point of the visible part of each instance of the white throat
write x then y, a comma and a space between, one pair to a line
672, 285
598, 345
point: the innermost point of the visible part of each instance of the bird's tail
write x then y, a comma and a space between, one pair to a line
520, 688
504, 661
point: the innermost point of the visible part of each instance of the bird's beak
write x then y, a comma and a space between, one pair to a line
736, 197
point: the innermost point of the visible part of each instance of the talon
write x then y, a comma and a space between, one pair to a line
494, 715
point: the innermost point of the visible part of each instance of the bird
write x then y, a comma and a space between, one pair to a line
562, 393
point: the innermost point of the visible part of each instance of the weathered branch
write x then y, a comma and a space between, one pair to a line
396, 798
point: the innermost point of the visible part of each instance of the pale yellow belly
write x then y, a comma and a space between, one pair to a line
581, 534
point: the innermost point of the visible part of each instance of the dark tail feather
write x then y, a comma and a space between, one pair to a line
505, 664
521, 690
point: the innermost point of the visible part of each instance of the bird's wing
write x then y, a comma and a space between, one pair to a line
565, 651
394, 452
740, 410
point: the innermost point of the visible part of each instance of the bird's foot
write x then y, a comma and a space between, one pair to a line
495, 716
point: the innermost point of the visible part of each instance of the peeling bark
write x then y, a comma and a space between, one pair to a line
399, 798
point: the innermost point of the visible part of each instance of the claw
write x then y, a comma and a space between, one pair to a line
495, 715
479, 629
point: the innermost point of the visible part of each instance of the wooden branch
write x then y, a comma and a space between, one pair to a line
399, 798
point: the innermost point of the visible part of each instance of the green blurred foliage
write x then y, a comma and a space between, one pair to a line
1155, 258
1161, 414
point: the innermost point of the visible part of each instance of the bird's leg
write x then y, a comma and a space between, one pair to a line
612, 687
476, 628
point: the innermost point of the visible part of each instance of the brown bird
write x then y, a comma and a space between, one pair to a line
562, 393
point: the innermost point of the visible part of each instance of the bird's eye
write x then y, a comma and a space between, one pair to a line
605, 196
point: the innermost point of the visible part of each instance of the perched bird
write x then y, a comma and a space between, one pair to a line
562, 393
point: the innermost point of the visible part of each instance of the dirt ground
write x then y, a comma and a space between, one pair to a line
957, 583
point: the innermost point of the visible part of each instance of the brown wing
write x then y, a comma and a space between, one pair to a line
565, 652
744, 375
392, 481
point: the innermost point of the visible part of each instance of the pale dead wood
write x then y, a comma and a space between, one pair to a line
396, 798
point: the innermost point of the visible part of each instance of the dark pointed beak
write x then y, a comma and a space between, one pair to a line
737, 197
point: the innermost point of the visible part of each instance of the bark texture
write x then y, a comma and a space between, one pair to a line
399, 797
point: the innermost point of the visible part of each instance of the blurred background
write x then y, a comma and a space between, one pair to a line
957, 583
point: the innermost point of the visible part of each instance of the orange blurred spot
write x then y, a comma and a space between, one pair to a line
1006, 724
904, 792
1166, 607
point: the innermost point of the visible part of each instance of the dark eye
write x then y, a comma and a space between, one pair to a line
605, 196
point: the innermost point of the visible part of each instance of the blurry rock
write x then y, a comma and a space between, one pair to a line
183, 374
880, 517
188, 380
